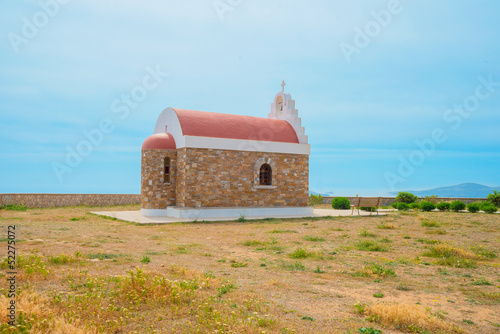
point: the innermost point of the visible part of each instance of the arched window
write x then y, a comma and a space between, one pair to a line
266, 175
166, 170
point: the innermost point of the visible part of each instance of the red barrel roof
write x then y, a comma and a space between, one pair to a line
211, 124
159, 141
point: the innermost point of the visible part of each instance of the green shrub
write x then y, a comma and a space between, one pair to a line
427, 206
315, 199
394, 205
443, 206
414, 206
13, 207
403, 206
457, 206
473, 207
488, 207
494, 198
341, 203
407, 198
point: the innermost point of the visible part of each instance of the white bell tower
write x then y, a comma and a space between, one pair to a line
283, 108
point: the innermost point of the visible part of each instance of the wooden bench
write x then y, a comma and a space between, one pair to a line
366, 202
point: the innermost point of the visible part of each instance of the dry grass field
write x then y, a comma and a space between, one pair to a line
401, 273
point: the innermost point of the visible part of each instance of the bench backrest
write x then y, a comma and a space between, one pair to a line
367, 201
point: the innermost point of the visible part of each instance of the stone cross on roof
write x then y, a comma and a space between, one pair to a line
283, 86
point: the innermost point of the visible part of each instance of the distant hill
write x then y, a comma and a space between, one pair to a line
324, 194
472, 190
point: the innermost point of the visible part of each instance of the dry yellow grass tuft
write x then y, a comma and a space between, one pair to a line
36, 316
446, 250
413, 318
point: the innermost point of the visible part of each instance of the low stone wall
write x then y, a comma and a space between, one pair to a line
58, 200
386, 201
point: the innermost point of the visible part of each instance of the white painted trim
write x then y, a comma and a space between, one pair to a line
154, 212
237, 212
265, 187
169, 118
245, 145
289, 114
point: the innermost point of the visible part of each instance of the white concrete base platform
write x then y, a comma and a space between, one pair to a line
211, 215
230, 213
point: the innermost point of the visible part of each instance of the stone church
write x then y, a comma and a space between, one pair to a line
204, 164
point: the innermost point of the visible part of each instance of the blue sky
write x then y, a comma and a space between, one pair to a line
65, 64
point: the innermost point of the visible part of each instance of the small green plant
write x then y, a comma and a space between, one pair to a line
481, 281
473, 207
283, 231
386, 240
61, 259
427, 206
365, 233
359, 307
483, 251
380, 270
145, 259
13, 207
341, 203
394, 205
457, 206
429, 241
254, 243
430, 223
369, 330
406, 197
235, 264
300, 253
102, 256
378, 295
385, 226
242, 219
296, 266
318, 270
451, 256
468, 322
443, 206
439, 231
225, 288
313, 238
308, 318
370, 246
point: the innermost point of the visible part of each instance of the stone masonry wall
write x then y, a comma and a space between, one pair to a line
60, 200
155, 194
225, 178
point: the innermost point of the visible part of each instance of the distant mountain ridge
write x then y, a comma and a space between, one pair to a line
471, 190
